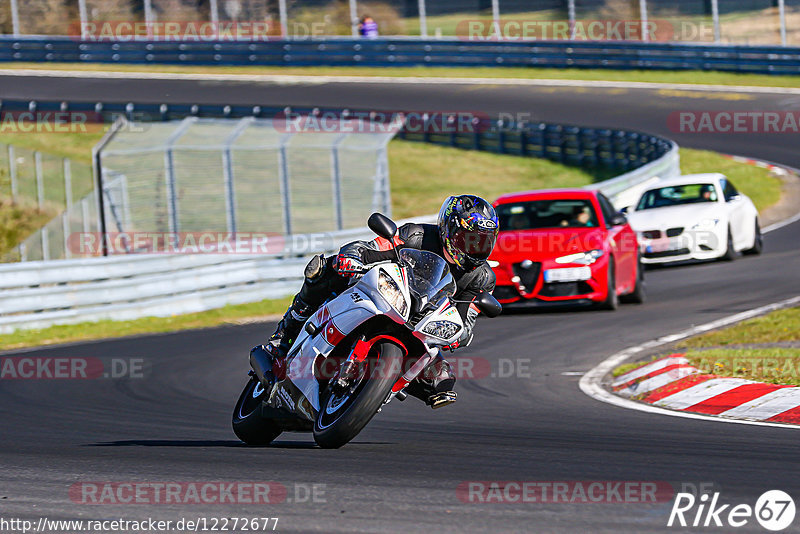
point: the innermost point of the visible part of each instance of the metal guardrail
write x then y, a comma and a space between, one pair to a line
407, 52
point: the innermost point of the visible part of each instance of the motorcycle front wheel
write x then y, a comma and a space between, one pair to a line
343, 414
248, 425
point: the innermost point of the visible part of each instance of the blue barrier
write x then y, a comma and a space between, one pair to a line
614, 150
407, 52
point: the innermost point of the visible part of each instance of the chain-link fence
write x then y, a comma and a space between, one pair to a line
265, 176
50, 186
752, 22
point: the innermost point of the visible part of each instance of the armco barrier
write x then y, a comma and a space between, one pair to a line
387, 52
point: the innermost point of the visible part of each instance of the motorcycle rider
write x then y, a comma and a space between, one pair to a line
465, 234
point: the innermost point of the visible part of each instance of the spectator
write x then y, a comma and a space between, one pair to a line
368, 28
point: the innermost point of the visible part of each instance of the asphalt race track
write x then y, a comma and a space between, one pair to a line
401, 473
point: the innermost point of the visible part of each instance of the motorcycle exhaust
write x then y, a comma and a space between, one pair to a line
261, 362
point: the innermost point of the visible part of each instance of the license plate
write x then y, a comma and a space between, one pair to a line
567, 274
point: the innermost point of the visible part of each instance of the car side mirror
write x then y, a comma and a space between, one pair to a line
625, 210
619, 219
382, 225
487, 304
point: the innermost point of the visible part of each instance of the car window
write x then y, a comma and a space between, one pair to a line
533, 214
608, 208
675, 195
728, 190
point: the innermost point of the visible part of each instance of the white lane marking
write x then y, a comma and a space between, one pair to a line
573, 373
766, 406
646, 386
592, 382
701, 392
290, 79
781, 224
649, 368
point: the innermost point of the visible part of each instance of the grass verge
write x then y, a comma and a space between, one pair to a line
528, 73
734, 351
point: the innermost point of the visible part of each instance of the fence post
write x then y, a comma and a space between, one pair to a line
37, 158
65, 225
571, 17
284, 19
12, 171
98, 175
15, 18
354, 18
227, 172
213, 10
148, 17
84, 16
336, 178
286, 197
643, 19
423, 19
715, 17
68, 183
782, 14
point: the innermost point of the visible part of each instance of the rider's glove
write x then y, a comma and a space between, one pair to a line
347, 265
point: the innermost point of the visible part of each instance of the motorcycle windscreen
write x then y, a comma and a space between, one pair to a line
429, 277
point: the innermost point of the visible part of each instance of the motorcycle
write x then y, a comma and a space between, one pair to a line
358, 352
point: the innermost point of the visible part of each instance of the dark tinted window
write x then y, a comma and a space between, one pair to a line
675, 195
608, 208
728, 190
570, 213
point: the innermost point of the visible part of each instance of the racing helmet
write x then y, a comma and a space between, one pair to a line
468, 229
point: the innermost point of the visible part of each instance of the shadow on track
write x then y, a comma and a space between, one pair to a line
218, 443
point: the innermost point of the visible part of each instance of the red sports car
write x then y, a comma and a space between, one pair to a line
565, 246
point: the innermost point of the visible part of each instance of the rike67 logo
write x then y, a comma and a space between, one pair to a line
774, 510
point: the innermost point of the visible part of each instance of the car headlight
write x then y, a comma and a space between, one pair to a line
442, 329
706, 224
493, 263
583, 258
392, 293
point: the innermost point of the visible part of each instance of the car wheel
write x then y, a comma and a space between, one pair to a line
612, 300
730, 252
638, 295
758, 242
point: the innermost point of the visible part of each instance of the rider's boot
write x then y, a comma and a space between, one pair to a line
435, 384
288, 329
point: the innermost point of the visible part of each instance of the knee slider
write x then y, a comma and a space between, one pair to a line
315, 268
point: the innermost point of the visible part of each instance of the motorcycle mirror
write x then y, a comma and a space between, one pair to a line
488, 304
382, 225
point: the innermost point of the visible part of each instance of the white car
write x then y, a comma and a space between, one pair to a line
695, 217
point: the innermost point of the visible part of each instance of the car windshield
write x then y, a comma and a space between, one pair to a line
676, 195
534, 214
429, 276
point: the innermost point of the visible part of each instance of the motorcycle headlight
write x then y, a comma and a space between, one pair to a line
583, 258
493, 263
442, 329
706, 224
392, 293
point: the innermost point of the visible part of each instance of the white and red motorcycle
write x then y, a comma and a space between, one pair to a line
358, 351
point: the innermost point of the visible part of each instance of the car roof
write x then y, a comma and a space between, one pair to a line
687, 179
546, 194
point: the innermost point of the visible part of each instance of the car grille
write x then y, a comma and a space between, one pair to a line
667, 253
565, 289
674, 232
652, 234
505, 293
528, 275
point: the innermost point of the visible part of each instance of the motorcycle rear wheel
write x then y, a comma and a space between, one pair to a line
343, 415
